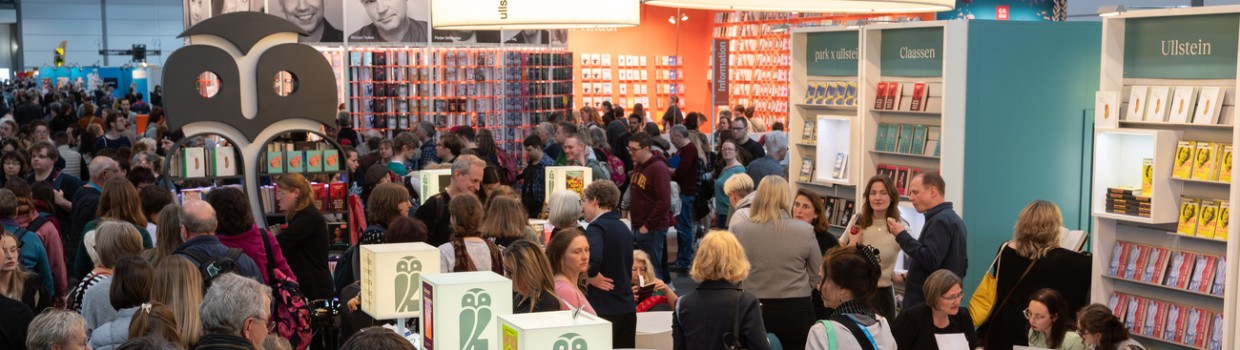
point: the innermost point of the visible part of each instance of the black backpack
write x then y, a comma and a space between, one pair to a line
212, 267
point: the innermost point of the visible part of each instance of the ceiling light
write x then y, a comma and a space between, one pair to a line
684, 17
671, 19
813, 6
532, 14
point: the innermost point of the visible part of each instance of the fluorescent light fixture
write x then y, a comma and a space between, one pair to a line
1111, 10
533, 14
812, 6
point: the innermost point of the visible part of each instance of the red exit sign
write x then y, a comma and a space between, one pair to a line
1001, 12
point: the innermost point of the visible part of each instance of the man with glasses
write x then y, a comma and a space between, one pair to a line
236, 314
740, 132
650, 202
942, 243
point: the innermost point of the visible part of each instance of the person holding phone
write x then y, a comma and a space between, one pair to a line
869, 226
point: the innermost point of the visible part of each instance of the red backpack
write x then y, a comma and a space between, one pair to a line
616, 166
506, 163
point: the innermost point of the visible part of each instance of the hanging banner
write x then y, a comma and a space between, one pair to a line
913, 52
1181, 47
832, 54
533, 14
720, 74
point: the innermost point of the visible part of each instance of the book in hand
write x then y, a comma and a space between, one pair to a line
1204, 161
1182, 168
1137, 98
1158, 104
1209, 104
645, 288
807, 169
1187, 224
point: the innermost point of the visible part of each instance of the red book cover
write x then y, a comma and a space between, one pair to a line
1198, 327
1138, 315
1160, 266
1205, 280
902, 179
919, 97
880, 96
320, 195
1118, 303
1143, 257
1160, 319
893, 96
1186, 270
338, 196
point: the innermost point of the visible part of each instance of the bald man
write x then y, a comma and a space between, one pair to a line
198, 224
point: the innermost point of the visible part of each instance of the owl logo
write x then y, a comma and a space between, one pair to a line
407, 271
570, 341
247, 51
475, 317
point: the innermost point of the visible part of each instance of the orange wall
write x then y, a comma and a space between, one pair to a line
654, 37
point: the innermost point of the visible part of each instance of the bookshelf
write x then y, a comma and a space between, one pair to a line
823, 124
318, 158
1169, 107
626, 80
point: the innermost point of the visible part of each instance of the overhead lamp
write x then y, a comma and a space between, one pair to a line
533, 14
812, 6
1111, 10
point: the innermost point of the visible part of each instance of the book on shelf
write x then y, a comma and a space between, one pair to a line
920, 97
314, 161
893, 136
1198, 325
1205, 165
1157, 107
1220, 276
1118, 303
1215, 341
919, 140
1182, 269
1130, 311
1209, 104
1156, 268
1224, 220
295, 161
932, 141
1207, 221
1119, 252
1147, 176
902, 179
807, 135
331, 160
1105, 103
195, 162
807, 169
1138, 307
841, 165
1182, 101
1152, 313
906, 139
827, 96
1224, 167
1203, 274
1183, 166
1176, 316
224, 161
880, 137
895, 92
1137, 98
1134, 256
811, 94
1187, 224
880, 95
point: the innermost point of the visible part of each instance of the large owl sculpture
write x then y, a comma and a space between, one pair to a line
408, 269
570, 341
248, 51
475, 317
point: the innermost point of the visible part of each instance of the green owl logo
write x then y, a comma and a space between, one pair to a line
570, 341
475, 317
408, 269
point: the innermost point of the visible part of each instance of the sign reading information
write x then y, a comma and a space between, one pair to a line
1181, 47
913, 52
832, 54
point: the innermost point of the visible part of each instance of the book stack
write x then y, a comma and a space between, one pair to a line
1186, 325
1204, 217
1176, 104
1194, 272
899, 174
328, 197
908, 139
832, 93
899, 96
1127, 201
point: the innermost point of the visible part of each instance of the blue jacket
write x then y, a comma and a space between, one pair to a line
942, 245
611, 254
33, 256
211, 245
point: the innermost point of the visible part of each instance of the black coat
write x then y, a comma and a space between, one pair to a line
85, 203
703, 316
611, 254
304, 242
14, 324
1065, 271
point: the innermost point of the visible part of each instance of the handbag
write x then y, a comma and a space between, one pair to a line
983, 298
735, 343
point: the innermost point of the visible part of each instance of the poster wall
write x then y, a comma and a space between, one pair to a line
323, 19
198, 10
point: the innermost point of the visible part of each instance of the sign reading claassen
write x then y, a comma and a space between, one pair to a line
832, 53
913, 52
533, 14
1182, 47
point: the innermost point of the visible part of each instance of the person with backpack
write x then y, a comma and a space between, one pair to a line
199, 222
388, 202
43, 157
32, 255
29, 219
237, 230
849, 285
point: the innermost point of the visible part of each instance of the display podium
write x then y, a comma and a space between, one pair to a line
555, 330
460, 309
392, 276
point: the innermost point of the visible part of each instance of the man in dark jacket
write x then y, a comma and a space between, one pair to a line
466, 178
235, 312
941, 244
198, 224
86, 203
650, 193
685, 175
611, 262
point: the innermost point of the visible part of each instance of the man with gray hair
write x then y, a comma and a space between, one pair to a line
685, 162
236, 314
86, 203
425, 132
466, 178
55, 329
776, 149
198, 224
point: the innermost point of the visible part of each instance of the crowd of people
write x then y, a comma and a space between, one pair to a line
98, 253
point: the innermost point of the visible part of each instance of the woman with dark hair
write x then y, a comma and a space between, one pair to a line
236, 229
130, 288
467, 250
492, 177
918, 327
16, 166
304, 237
388, 202
533, 283
154, 199
879, 202
486, 148
849, 277
1049, 324
140, 177
375, 175
808, 207
1101, 330
377, 338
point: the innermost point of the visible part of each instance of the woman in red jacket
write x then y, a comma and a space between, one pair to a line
238, 230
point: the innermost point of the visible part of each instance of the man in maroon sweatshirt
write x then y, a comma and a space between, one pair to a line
650, 193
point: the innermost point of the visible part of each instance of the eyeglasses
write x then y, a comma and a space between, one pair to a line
634, 149
953, 297
270, 326
1029, 315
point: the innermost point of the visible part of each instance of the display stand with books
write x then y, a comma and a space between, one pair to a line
319, 160
1162, 188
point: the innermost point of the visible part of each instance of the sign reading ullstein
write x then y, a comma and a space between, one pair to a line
1181, 47
832, 53
912, 52
721, 72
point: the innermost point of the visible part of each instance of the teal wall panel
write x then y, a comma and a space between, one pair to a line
1029, 87
912, 52
1181, 47
832, 53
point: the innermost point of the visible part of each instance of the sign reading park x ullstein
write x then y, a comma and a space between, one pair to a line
1181, 47
832, 54
912, 52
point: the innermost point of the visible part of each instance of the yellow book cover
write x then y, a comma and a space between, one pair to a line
1224, 218
1204, 164
1188, 216
1183, 166
1147, 177
1207, 219
1224, 167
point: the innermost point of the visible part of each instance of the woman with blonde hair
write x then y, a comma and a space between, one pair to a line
168, 235
505, 221
15, 282
706, 317
113, 241
533, 284
119, 201
659, 293
564, 210
1033, 260
97, 306
784, 255
178, 285
739, 189
304, 239
879, 202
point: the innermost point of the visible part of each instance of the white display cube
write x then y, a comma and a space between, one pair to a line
555, 330
432, 181
460, 310
572, 178
392, 277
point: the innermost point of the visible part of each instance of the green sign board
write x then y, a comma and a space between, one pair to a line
832, 54
1181, 47
912, 52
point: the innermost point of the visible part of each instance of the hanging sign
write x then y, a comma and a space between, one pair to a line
533, 14
832, 53
913, 52
720, 77
1181, 47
